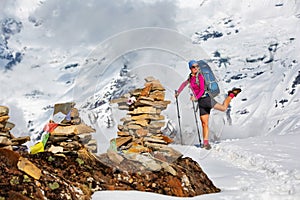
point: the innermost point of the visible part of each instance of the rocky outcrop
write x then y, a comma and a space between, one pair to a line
77, 175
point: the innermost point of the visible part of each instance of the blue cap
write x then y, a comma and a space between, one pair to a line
191, 63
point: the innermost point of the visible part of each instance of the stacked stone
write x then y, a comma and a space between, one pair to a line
7, 139
71, 134
141, 128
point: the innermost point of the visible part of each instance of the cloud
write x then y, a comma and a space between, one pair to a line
75, 22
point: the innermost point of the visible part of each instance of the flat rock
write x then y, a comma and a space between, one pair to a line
85, 137
115, 157
92, 146
64, 108
122, 140
142, 132
4, 118
4, 111
156, 85
142, 122
123, 107
122, 133
134, 127
9, 126
150, 79
157, 95
72, 145
55, 149
5, 141
29, 168
156, 125
72, 130
146, 90
154, 140
20, 140
143, 110
119, 100
5, 134
148, 162
136, 148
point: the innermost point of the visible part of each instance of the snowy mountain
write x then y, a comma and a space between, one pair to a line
8, 56
92, 52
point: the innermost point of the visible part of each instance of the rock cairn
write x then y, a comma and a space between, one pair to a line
7, 139
141, 128
71, 134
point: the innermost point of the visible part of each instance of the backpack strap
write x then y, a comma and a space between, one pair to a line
197, 79
205, 82
206, 91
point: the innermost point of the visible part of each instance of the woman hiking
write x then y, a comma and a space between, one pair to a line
205, 101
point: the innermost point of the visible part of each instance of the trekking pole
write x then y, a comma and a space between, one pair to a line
178, 118
196, 119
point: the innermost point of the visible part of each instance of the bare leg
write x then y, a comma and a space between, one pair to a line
204, 121
223, 107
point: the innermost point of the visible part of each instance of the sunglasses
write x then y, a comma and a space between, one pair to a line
193, 67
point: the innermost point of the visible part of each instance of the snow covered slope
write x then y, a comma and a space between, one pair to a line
255, 46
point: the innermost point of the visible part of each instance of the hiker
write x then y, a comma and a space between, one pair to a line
205, 101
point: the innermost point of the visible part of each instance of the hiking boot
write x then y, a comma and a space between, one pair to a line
234, 91
206, 146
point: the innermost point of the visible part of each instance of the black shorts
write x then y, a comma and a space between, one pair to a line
206, 104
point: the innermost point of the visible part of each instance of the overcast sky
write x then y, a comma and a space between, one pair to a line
72, 23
